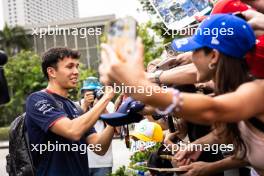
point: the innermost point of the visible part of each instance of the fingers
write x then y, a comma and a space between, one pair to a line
104, 53
188, 161
182, 162
109, 91
139, 51
104, 77
186, 167
254, 19
87, 93
180, 155
108, 57
249, 14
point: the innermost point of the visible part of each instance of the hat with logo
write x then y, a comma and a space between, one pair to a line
148, 131
227, 33
127, 113
226, 6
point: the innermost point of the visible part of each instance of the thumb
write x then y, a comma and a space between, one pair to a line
108, 51
249, 14
185, 168
139, 56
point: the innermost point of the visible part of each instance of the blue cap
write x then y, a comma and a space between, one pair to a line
227, 33
91, 83
127, 113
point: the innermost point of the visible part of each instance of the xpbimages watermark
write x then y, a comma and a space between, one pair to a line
148, 90
183, 146
50, 147
83, 32
192, 30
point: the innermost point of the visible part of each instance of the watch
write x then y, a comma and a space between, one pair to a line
157, 76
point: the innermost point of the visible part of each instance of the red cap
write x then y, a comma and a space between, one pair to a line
226, 6
229, 6
255, 59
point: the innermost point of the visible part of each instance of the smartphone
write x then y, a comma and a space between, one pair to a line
121, 35
176, 14
170, 51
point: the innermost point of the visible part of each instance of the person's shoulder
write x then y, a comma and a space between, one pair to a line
36, 96
254, 83
255, 86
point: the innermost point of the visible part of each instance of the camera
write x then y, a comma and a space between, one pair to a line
92, 84
4, 95
98, 93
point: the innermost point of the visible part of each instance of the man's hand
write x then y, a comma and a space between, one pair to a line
186, 156
109, 92
197, 169
88, 99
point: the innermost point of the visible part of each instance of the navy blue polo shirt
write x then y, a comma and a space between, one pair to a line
53, 154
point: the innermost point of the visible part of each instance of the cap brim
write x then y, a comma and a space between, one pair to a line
141, 137
119, 119
114, 115
185, 44
114, 119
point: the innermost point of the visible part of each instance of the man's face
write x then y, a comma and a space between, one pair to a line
66, 75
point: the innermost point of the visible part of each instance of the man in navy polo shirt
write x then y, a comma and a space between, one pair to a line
59, 133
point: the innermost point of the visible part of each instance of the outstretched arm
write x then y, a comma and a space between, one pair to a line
245, 102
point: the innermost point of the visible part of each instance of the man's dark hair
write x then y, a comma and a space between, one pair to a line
51, 57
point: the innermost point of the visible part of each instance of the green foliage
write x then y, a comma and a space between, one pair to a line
4, 133
120, 172
152, 49
24, 76
13, 39
140, 156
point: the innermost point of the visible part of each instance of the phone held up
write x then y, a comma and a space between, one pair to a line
121, 35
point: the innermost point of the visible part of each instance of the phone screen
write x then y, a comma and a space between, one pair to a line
122, 35
170, 51
177, 14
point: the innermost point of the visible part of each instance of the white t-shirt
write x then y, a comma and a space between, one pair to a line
97, 161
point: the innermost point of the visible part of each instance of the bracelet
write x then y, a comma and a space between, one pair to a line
177, 103
157, 76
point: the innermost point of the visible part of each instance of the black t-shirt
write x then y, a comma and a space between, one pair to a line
53, 154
